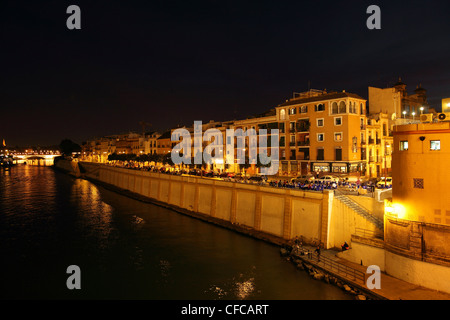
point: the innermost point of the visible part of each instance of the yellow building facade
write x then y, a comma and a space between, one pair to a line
420, 171
322, 132
417, 219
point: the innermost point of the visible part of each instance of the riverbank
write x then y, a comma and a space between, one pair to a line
391, 288
195, 195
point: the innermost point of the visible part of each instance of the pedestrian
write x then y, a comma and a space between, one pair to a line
318, 253
345, 246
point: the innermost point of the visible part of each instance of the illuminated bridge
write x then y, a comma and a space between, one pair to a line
35, 157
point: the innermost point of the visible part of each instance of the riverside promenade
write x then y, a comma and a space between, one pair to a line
391, 288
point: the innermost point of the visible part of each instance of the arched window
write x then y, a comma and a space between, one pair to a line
334, 108
282, 114
361, 108
342, 107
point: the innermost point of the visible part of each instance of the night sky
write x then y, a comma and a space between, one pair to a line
173, 62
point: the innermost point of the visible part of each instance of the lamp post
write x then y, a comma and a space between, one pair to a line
413, 114
421, 110
404, 114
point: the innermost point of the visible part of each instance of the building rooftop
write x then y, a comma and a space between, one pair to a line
326, 96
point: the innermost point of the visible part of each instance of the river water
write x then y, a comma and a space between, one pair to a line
127, 249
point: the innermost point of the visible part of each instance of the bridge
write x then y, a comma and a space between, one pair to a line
45, 158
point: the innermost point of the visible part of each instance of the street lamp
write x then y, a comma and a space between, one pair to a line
404, 114
413, 114
421, 110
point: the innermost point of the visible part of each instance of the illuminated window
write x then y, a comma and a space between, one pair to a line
320, 137
403, 145
282, 114
338, 136
435, 145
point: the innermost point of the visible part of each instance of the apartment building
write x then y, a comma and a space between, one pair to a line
321, 132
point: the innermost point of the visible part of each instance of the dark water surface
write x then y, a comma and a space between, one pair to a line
127, 249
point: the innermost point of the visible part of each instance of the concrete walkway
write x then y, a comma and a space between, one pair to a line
391, 288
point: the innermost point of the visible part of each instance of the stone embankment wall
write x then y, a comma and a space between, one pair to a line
280, 213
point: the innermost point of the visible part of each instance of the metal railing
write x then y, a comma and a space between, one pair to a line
368, 233
339, 268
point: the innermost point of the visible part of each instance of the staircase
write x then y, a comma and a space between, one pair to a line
361, 211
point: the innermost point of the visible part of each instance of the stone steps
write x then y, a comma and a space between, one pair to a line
361, 211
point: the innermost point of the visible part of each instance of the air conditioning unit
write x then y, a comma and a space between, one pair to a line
426, 117
443, 116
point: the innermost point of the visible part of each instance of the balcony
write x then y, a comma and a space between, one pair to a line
303, 143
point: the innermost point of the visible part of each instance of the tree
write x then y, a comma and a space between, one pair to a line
67, 146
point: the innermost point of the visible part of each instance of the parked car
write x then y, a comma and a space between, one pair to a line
327, 179
255, 179
306, 178
385, 182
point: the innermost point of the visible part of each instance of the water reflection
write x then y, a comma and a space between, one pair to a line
128, 249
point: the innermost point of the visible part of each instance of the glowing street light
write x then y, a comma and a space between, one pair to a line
413, 114
421, 110
404, 114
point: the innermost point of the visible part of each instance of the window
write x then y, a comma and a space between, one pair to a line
320, 137
293, 111
435, 145
342, 107
292, 140
320, 154
338, 154
291, 126
337, 121
403, 145
282, 114
338, 136
354, 144
334, 108
361, 108
320, 107
320, 122
418, 183
304, 109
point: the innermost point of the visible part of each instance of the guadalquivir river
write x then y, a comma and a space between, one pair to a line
127, 249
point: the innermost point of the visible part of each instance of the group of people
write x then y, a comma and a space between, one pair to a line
312, 186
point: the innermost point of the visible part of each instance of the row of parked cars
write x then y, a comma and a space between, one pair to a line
383, 182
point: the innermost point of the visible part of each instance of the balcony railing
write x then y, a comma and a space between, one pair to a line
303, 143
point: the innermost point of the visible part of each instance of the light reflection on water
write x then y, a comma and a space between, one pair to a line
127, 249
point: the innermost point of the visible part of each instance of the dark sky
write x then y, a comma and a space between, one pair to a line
173, 62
